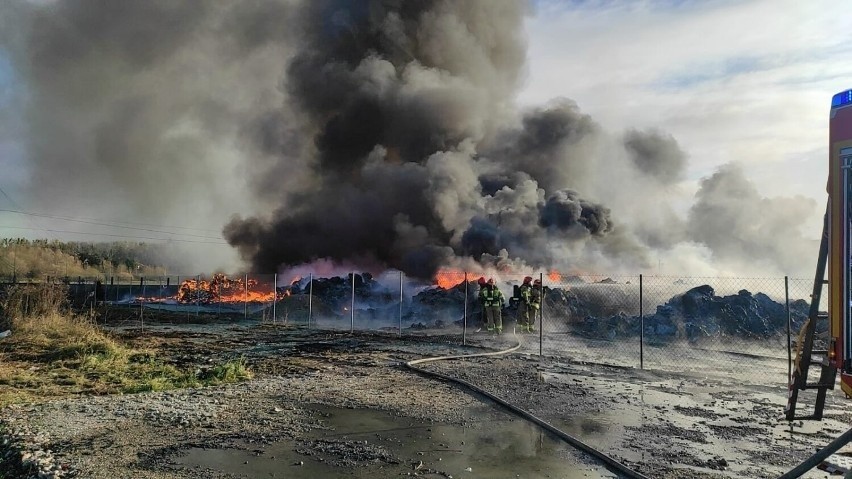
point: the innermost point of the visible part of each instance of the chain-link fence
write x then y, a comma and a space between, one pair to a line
700, 325
718, 325
592, 318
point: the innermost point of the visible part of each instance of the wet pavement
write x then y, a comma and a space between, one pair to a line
370, 443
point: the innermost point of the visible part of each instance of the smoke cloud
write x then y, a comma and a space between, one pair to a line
419, 161
374, 134
740, 226
147, 111
656, 154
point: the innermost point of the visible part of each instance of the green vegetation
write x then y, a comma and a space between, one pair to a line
37, 259
53, 353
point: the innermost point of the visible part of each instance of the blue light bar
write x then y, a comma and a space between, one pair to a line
841, 99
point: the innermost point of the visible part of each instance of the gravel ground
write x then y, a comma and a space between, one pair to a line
663, 425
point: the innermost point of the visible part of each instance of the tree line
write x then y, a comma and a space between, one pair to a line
35, 259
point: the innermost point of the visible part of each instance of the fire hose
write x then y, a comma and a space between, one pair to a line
820, 456
611, 463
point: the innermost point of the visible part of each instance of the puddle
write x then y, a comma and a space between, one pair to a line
492, 444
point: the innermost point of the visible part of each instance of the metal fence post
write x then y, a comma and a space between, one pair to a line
92, 304
274, 295
400, 303
197, 293
789, 350
352, 306
541, 314
641, 325
464, 320
310, 298
245, 299
142, 304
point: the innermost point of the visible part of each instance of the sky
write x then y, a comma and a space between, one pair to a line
744, 82
733, 81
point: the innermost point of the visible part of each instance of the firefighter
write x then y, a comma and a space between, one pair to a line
493, 300
525, 305
483, 320
535, 304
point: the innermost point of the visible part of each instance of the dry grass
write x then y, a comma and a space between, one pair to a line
51, 352
36, 260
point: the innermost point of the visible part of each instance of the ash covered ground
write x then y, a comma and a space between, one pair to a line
294, 419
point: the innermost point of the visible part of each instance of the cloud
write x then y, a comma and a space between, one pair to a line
728, 87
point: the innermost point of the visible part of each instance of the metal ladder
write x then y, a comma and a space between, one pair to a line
806, 355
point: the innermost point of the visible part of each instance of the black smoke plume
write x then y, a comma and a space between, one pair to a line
415, 165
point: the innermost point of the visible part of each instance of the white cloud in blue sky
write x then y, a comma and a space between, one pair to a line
733, 81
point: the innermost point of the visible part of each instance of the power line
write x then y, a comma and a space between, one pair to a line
132, 223
115, 235
67, 218
9, 198
14, 204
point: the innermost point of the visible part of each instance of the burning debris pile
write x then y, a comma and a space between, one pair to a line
605, 309
221, 289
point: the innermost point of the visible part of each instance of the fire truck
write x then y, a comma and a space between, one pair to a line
825, 340
832, 353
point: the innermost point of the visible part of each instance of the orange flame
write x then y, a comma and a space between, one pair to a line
554, 276
448, 279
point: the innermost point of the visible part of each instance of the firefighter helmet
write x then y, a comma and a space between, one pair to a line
481, 281
527, 279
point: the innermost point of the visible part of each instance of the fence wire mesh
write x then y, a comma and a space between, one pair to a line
592, 318
684, 323
717, 325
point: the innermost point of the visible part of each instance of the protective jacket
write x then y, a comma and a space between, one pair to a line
491, 296
525, 292
535, 297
